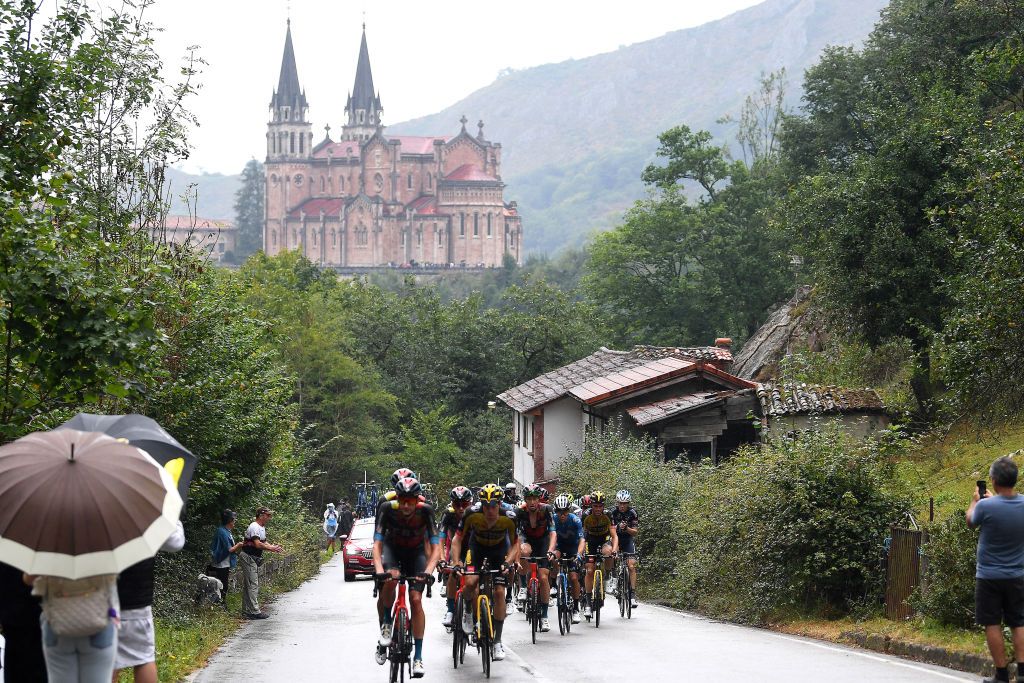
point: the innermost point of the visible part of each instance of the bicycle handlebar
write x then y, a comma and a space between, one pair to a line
379, 579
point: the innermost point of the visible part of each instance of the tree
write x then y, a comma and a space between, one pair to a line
249, 211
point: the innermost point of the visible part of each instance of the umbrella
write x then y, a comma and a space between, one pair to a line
79, 504
143, 432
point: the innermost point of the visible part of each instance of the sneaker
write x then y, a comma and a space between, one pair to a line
575, 616
385, 635
381, 656
417, 668
545, 626
589, 614
467, 622
633, 604
554, 591
521, 602
447, 621
498, 652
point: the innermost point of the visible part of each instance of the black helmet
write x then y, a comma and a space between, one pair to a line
401, 473
460, 494
408, 486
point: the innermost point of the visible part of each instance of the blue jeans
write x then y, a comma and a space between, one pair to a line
84, 659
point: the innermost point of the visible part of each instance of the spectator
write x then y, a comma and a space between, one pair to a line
250, 560
19, 619
79, 626
345, 521
330, 526
223, 552
999, 582
136, 641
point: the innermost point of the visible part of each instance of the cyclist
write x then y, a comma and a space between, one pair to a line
489, 531
569, 543
404, 543
511, 496
461, 498
627, 524
399, 474
584, 505
536, 535
602, 539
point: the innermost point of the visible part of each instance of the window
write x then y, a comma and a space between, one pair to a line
287, 114
334, 238
419, 236
430, 180
476, 225
323, 184
489, 225
359, 116
410, 181
314, 238
341, 183
462, 225
440, 234
293, 143
273, 237
302, 143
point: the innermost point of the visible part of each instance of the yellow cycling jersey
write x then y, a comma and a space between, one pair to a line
597, 526
474, 529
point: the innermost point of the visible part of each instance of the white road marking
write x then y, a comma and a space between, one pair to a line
522, 663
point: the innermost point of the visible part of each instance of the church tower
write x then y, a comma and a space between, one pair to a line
363, 109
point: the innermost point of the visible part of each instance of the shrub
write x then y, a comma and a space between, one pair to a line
947, 592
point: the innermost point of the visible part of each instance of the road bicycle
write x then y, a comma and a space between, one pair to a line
460, 639
400, 647
624, 589
596, 595
366, 499
483, 631
566, 603
532, 607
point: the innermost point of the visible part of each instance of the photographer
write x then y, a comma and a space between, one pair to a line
999, 583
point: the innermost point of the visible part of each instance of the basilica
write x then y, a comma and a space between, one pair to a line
371, 199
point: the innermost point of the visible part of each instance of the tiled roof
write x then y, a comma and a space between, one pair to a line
628, 380
179, 222
331, 206
469, 172
661, 410
417, 144
704, 353
338, 150
557, 383
424, 206
795, 399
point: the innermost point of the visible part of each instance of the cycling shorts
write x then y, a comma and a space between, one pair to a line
493, 554
409, 561
627, 543
594, 545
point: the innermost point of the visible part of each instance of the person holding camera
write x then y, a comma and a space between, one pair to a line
999, 579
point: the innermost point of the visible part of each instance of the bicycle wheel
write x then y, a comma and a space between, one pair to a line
533, 609
456, 631
560, 585
629, 600
397, 653
485, 633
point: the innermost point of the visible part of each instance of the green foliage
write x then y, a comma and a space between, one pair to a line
249, 211
947, 590
793, 525
429, 448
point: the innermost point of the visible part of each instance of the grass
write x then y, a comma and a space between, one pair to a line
918, 631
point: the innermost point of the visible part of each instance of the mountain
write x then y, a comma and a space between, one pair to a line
576, 135
210, 195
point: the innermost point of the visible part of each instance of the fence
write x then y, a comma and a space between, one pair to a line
905, 566
267, 570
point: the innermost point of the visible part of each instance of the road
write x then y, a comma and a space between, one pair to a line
326, 630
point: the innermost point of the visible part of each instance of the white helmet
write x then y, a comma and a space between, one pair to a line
623, 497
562, 502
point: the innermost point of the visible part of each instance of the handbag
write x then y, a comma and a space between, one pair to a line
77, 608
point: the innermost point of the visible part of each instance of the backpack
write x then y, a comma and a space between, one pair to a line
79, 607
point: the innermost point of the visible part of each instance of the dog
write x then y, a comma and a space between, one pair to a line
208, 589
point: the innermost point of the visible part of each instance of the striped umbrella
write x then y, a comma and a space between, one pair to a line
79, 504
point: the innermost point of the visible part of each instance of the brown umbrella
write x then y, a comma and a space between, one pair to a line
79, 504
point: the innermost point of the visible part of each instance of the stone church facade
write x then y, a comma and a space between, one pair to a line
370, 199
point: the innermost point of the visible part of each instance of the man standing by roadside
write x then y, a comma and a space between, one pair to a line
251, 558
999, 582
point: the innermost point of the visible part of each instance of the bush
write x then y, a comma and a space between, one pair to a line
791, 525
947, 592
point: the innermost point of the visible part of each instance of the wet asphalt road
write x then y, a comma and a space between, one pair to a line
326, 631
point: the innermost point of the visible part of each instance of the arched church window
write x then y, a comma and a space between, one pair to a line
476, 225
273, 237
341, 183
302, 144
378, 182
410, 181
292, 145
334, 238
323, 184
462, 225
488, 225
430, 180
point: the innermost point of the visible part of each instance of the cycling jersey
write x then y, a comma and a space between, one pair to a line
630, 517
597, 526
390, 496
449, 523
414, 531
532, 533
568, 533
473, 528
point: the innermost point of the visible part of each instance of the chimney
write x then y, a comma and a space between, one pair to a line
724, 343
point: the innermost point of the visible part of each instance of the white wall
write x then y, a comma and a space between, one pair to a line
563, 429
522, 462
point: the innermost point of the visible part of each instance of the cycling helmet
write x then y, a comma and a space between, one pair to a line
491, 493
597, 498
533, 491
408, 486
401, 473
623, 497
585, 501
563, 502
544, 496
460, 494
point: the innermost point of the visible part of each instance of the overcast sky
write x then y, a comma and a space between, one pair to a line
425, 54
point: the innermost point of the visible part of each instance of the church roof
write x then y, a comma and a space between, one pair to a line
424, 206
337, 149
363, 94
331, 206
289, 93
416, 144
470, 172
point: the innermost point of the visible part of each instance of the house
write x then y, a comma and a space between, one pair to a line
214, 237
685, 398
791, 408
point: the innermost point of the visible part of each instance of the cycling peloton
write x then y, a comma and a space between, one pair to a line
602, 539
461, 498
489, 531
569, 544
405, 543
536, 535
627, 524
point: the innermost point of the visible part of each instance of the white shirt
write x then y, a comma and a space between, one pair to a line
256, 531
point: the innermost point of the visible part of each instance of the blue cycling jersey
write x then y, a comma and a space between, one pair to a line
568, 532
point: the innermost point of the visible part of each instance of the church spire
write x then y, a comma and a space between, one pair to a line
363, 109
289, 93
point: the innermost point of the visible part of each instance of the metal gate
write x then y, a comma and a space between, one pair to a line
903, 571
